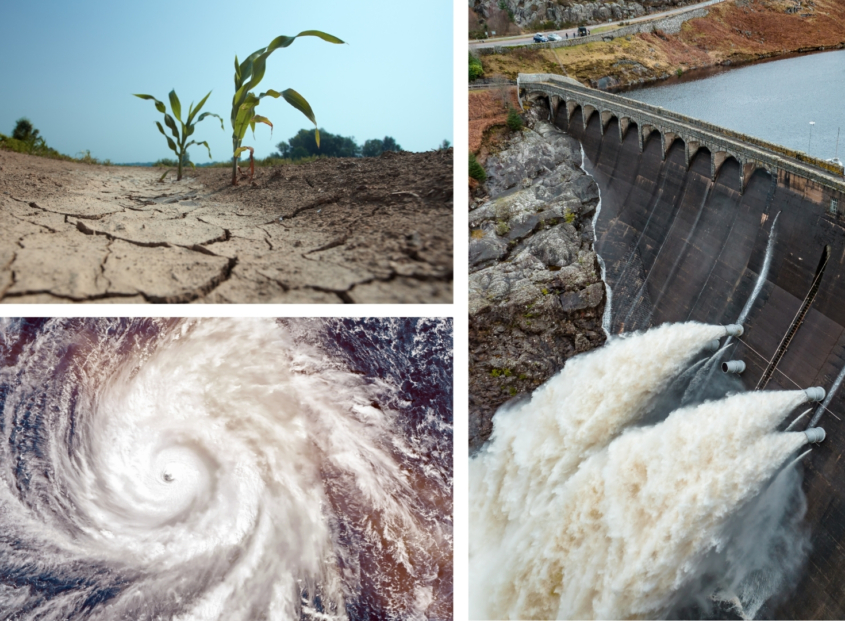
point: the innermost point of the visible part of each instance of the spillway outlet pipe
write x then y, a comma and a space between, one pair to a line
814, 434
712, 345
816, 393
734, 329
733, 366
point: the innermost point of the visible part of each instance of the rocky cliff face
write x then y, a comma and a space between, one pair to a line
527, 13
535, 292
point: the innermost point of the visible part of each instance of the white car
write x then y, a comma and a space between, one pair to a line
554, 37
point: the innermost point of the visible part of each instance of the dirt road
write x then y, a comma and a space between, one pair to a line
365, 230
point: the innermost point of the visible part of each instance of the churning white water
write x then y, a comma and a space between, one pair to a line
576, 512
222, 469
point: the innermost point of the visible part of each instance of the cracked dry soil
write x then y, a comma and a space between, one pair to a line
364, 230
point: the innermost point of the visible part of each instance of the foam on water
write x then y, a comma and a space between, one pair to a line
213, 469
576, 513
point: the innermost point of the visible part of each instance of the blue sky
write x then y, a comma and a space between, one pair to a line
71, 68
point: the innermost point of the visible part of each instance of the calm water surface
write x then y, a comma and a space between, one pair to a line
774, 101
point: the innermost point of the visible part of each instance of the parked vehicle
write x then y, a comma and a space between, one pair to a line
582, 31
554, 37
539, 38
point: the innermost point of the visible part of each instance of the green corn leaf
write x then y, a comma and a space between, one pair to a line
175, 105
191, 115
203, 142
237, 72
298, 102
319, 33
159, 106
270, 93
190, 111
168, 120
205, 114
189, 130
262, 119
240, 150
170, 142
161, 179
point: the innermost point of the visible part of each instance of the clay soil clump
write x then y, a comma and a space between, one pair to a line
355, 230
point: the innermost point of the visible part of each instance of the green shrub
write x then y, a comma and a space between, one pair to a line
502, 228
476, 171
514, 121
476, 69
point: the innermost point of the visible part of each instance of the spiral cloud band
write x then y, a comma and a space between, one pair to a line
233, 469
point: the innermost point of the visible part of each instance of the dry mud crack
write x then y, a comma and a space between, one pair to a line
372, 230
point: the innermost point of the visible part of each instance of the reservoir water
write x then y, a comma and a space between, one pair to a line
774, 101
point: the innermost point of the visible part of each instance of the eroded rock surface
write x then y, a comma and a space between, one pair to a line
369, 230
535, 292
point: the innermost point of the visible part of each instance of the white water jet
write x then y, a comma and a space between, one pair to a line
607, 316
764, 272
574, 513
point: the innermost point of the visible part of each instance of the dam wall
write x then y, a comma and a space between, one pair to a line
683, 239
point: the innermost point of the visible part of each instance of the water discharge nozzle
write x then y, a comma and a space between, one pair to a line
733, 366
734, 329
712, 345
816, 393
814, 434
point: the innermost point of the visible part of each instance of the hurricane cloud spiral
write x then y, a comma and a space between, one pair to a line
231, 469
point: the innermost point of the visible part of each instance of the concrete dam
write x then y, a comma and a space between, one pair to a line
691, 216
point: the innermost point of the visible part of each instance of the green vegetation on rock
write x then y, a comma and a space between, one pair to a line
514, 121
476, 171
476, 69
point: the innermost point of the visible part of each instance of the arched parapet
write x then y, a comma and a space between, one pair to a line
747, 170
645, 131
667, 139
586, 112
606, 116
624, 123
718, 159
571, 106
555, 102
691, 147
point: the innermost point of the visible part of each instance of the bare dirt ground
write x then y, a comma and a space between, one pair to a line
364, 230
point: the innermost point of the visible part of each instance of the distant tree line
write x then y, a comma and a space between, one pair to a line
303, 145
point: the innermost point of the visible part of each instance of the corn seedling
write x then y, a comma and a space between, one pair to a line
180, 146
247, 76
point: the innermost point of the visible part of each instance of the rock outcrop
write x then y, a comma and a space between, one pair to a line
536, 296
529, 12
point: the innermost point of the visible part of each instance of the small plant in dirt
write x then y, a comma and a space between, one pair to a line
679, 72
476, 171
247, 76
476, 69
514, 121
186, 129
